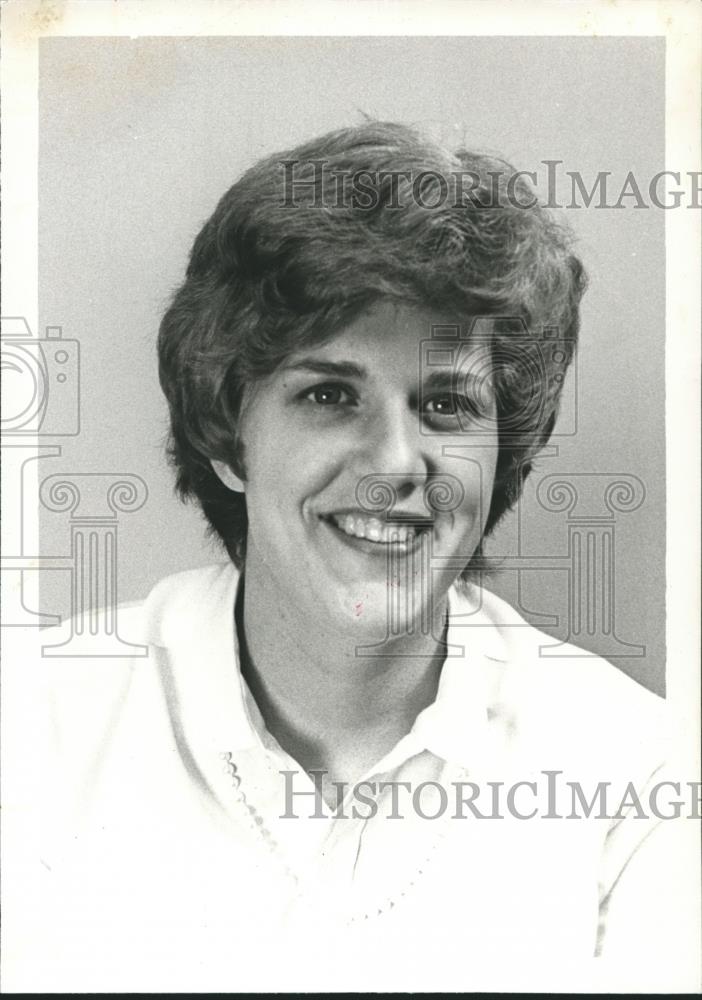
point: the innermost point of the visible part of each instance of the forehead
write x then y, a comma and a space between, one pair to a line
402, 337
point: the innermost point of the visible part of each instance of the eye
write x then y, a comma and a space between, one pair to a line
329, 394
442, 406
451, 410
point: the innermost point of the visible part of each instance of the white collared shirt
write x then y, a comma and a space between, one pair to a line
161, 875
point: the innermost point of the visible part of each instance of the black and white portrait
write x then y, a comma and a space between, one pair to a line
350, 563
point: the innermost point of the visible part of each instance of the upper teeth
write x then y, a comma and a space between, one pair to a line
373, 529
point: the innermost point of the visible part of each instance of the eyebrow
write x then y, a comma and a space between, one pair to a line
445, 379
449, 379
340, 369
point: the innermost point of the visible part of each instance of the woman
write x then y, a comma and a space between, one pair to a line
319, 778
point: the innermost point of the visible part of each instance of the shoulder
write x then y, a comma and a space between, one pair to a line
564, 698
542, 660
186, 601
87, 690
174, 603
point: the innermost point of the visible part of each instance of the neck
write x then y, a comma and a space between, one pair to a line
329, 707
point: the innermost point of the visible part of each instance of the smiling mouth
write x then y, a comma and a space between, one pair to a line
401, 533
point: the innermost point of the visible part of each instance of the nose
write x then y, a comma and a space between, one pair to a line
396, 450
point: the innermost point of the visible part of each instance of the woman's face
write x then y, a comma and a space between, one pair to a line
370, 463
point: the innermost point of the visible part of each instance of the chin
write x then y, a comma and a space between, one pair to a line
373, 612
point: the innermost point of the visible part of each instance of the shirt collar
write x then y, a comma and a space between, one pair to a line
458, 725
192, 615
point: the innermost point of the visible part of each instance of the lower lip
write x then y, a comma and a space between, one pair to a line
378, 549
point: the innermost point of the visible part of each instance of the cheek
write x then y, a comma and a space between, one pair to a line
269, 448
476, 473
284, 477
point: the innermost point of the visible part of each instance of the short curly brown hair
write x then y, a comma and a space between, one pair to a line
277, 267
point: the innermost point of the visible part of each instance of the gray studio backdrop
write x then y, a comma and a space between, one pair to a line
138, 140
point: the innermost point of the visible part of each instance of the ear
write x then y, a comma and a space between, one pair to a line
227, 476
